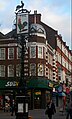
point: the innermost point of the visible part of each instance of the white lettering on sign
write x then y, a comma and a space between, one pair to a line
11, 83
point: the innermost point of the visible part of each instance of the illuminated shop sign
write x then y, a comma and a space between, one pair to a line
11, 83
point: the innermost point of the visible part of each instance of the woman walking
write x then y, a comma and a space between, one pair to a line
69, 111
50, 109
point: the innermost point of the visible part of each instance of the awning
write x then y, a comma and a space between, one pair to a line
31, 83
3, 83
39, 83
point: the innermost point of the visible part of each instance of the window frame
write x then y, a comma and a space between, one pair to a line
18, 70
33, 70
2, 71
40, 53
33, 55
2, 57
10, 75
11, 53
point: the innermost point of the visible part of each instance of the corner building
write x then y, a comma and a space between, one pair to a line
41, 64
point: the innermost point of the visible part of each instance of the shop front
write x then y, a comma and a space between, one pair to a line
7, 92
40, 92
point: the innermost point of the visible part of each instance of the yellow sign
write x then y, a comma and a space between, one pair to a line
50, 84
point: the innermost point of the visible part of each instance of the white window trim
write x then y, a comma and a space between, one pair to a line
18, 70
4, 71
9, 72
4, 54
18, 53
40, 54
31, 73
13, 53
40, 70
34, 51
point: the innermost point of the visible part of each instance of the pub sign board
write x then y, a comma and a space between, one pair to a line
22, 23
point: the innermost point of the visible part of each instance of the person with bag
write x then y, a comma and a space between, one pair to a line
50, 109
69, 111
13, 107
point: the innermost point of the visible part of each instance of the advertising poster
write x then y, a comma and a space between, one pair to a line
26, 107
20, 107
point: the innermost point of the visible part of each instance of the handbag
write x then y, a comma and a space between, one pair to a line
46, 111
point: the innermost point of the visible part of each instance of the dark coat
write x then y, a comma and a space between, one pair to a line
51, 108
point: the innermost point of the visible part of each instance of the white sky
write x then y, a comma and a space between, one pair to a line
55, 13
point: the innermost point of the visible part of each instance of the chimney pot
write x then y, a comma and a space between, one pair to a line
35, 11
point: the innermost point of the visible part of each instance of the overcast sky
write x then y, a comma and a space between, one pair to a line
55, 13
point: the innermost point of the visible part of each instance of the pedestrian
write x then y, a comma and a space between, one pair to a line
13, 107
69, 111
50, 109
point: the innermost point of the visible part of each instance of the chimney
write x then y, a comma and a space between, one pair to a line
35, 11
35, 18
35, 14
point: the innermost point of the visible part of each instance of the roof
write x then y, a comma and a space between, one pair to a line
50, 35
2, 35
11, 34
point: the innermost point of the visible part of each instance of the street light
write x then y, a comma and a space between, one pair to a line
22, 27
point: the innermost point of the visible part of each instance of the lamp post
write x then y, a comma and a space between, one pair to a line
22, 27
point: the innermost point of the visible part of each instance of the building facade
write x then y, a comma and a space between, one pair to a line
47, 64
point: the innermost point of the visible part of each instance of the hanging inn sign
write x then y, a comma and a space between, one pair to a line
22, 23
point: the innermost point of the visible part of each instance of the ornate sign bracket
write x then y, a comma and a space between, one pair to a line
19, 9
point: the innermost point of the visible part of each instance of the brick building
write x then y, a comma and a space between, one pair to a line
47, 63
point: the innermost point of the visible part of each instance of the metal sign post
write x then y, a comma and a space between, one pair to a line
22, 27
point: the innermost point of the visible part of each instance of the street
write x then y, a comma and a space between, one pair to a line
35, 114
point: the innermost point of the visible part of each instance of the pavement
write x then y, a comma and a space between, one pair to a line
35, 114
40, 114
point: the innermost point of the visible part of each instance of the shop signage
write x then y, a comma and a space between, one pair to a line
50, 84
11, 83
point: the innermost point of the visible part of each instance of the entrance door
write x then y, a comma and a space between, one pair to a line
37, 99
